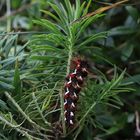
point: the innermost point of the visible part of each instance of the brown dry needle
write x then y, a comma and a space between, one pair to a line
100, 10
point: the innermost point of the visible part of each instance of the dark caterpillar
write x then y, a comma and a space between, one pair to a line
72, 88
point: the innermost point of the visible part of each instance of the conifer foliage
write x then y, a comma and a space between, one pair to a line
44, 94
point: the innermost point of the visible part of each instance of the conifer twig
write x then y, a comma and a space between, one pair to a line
61, 91
8, 5
16, 127
23, 113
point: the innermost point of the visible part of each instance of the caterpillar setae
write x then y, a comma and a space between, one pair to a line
72, 88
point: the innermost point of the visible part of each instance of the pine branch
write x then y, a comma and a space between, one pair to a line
16, 127
23, 113
62, 91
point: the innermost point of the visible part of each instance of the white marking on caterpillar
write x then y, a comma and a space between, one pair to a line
77, 85
74, 71
72, 105
65, 102
80, 77
75, 95
71, 122
84, 69
69, 81
67, 92
65, 111
71, 114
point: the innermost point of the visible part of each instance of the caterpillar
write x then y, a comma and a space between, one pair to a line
72, 89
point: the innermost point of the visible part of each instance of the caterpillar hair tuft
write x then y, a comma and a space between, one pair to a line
72, 89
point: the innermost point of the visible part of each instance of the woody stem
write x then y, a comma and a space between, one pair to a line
67, 72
